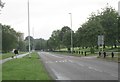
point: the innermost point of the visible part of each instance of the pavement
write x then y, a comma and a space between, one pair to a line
63, 67
10, 58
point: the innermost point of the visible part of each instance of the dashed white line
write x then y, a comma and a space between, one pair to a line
56, 61
80, 64
70, 61
60, 61
114, 75
95, 69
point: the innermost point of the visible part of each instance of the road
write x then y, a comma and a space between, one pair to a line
62, 67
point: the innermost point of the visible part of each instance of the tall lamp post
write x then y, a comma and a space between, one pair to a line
71, 33
118, 21
29, 29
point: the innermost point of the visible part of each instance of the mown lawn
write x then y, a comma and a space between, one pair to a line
9, 54
75, 54
109, 58
25, 69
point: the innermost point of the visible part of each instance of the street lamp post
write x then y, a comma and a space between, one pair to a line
119, 8
29, 29
71, 33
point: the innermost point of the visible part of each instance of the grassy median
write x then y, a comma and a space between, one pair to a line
25, 69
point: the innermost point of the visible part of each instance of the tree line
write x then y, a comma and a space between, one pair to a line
11, 39
102, 23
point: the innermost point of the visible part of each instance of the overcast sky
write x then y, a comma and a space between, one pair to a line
49, 15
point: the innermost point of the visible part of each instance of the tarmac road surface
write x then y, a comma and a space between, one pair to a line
63, 67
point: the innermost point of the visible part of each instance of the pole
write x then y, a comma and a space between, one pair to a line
71, 33
102, 37
119, 8
33, 39
29, 29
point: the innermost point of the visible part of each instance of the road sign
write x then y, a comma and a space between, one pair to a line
100, 40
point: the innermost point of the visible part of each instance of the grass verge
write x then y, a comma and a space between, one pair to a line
109, 58
74, 54
25, 69
9, 54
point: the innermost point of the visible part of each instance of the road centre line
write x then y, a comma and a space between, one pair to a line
114, 75
59, 61
80, 64
95, 69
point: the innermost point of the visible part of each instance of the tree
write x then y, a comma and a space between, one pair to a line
27, 42
109, 18
1, 5
21, 46
40, 44
9, 38
103, 23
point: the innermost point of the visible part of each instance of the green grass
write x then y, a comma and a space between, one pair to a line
0, 57
74, 54
108, 58
9, 54
108, 49
25, 69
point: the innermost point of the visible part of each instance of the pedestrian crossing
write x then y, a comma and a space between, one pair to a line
59, 61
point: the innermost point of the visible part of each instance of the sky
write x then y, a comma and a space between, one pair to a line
49, 15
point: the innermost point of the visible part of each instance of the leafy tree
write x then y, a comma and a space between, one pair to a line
1, 4
60, 38
103, 23
27, 42
109, 22
40, 44
9, 38
21, 46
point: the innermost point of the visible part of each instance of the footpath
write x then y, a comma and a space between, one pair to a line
10, 58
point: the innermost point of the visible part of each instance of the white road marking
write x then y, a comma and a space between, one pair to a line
114, 75
80, 64
60, 61
65, 60
60, 76
70, 61
95, 69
